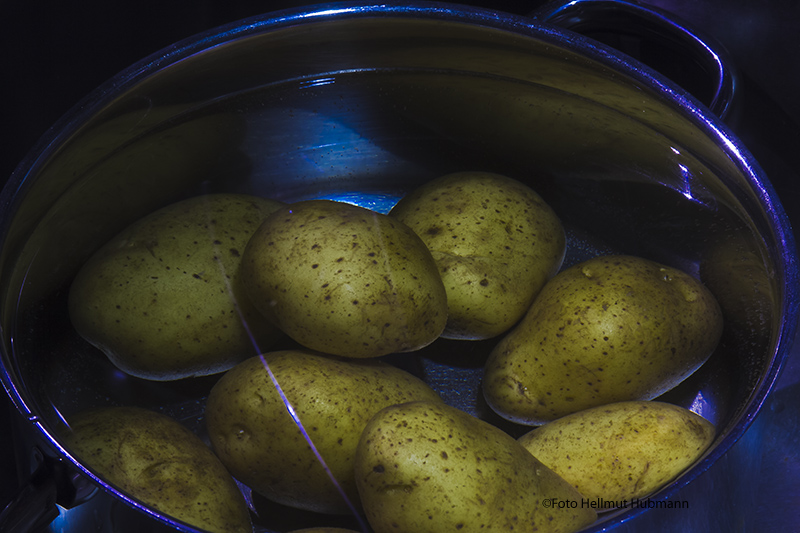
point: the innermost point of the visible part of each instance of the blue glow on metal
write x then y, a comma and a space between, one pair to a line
687, 185
317, 82
700, 406
381, 203
62, 521
60, 416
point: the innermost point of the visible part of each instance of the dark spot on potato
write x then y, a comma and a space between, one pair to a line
433, 230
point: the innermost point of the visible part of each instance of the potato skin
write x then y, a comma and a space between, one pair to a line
495, 241
324, 530
621, 451
345, 280
158, 461
334, 398
429, 467
613, 328
163, 298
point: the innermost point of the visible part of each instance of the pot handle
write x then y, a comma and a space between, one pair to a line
657, 38
34, 506
52, 484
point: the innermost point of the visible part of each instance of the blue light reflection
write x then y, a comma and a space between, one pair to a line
687, 185
702, 407
317, 82
380, 202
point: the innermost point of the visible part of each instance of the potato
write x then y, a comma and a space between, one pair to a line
260, 442
622, 451
163, 298
429, 467
156, 460
613, 328
495, 241
345, 280
324, 530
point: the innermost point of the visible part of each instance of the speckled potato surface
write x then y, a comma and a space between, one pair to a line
495, 241
255, 437
345, 280
158, 461
429, 467
621, 451
324, 530
163, 299
613, 328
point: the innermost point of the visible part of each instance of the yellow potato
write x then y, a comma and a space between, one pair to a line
622, 451
495, 241
333, 398
163, 298
428, 467
324, 530
345, 280
161, 463
613, 328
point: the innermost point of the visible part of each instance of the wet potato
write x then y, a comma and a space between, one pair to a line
610, 329
333, 398
163, 299
324, 530
621, 451
428, 467
161, 463
495, 241
345, 280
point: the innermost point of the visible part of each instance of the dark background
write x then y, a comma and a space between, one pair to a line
52, 54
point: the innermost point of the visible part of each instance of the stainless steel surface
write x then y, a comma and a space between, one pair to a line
684, 54
766, 447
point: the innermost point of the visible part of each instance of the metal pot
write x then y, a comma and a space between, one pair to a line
361, 103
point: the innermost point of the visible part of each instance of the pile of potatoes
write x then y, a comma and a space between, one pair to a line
212, 284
